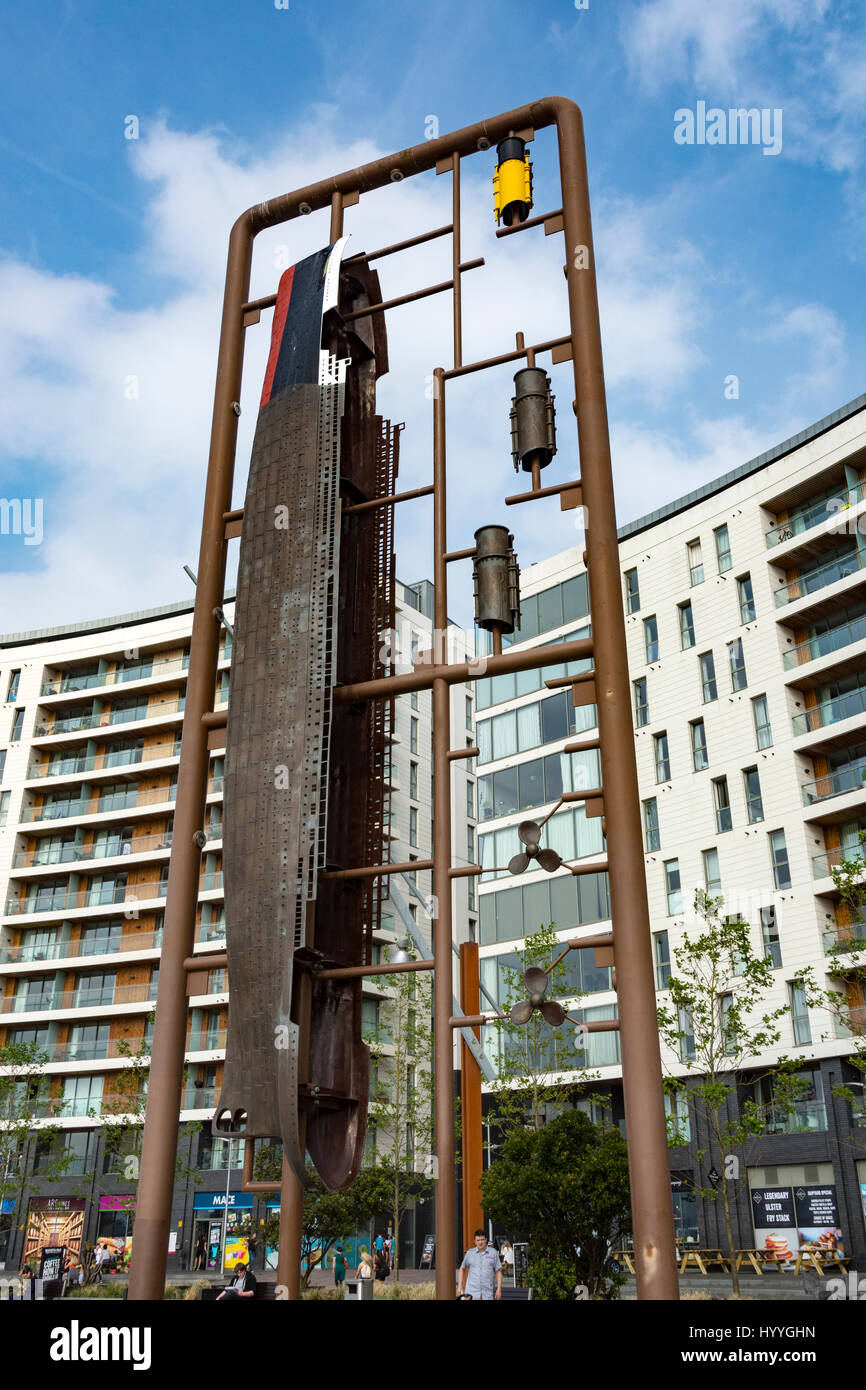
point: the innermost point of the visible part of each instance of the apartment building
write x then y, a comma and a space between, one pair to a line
90, 731
745, 607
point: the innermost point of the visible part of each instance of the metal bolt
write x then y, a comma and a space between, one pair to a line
236, 407
304, 209
200, 838
396, 175
483, 143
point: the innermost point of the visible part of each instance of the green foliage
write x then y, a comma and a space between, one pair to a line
551, 1277
25, 1103
565, 1189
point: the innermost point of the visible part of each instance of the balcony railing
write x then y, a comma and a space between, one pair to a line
805, 1115
71, 950
848, 778
101, 762
112, 848
98, 997
819, 578
149, 670
207, 1042
113, 802
107, 718
824, 643
813, 516
831, 711
135, 892
203, 1098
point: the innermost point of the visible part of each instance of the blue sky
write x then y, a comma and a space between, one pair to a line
713, 260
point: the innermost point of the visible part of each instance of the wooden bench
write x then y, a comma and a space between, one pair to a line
703, 1258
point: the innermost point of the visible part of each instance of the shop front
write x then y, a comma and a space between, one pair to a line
114, 1229
798, 1211
220, 1224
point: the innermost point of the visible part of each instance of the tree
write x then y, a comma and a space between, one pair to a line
531, 1057
25, 1104
400, 1114
565, 1189
719, 1023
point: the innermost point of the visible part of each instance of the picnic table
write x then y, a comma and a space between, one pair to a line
624, 1257
820, 1258
703, 1258
754, 1257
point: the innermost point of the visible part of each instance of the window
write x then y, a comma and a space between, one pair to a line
770, 935
413, 735
413, 825
632, 593
712, 872
696, 564
708, 678
413, 781
469, 720
651, 825
722, 804
754, 804
12, 692
651, 638
799, 1013
700, 760
662, 756
687, 1037
2, 762
723, 548
729, 1035
673, 886
747, 598
413, 699
470, 799
470, 843
779, 854
761, 716
687, 626
663, 959
738, 665
17, 725
4, 807
641, 707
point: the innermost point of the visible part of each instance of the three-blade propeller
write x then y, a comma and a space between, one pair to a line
529, 833
536, 982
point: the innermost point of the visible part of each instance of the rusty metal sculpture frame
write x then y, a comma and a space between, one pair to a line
608, 686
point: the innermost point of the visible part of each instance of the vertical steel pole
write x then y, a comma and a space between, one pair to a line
159, 1143
652, 1208
443, 1043
456, 253
470, 1095
291, 1233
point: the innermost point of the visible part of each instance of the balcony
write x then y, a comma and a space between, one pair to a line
831, 711
111, 848
851, 777
814, 515
112, 803
108, 1048
108, 760
104, 897
198, 1098
825, 643
109, 718
73, 950
99, 997
812, 581
806, 1116
207, 1042
71, 683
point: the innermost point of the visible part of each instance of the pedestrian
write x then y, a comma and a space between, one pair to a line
243, 1285
365, 1268
100, 1254
382, 1268
339, 1266
482, 1271
506, 1255
200, 1255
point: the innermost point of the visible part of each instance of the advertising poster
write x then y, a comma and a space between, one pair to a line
54, 1221
788, 1220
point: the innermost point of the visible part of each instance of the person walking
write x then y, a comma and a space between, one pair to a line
365, 1268
506, 1255
200, 1254
339, 1267
481, 1271
382, 1269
